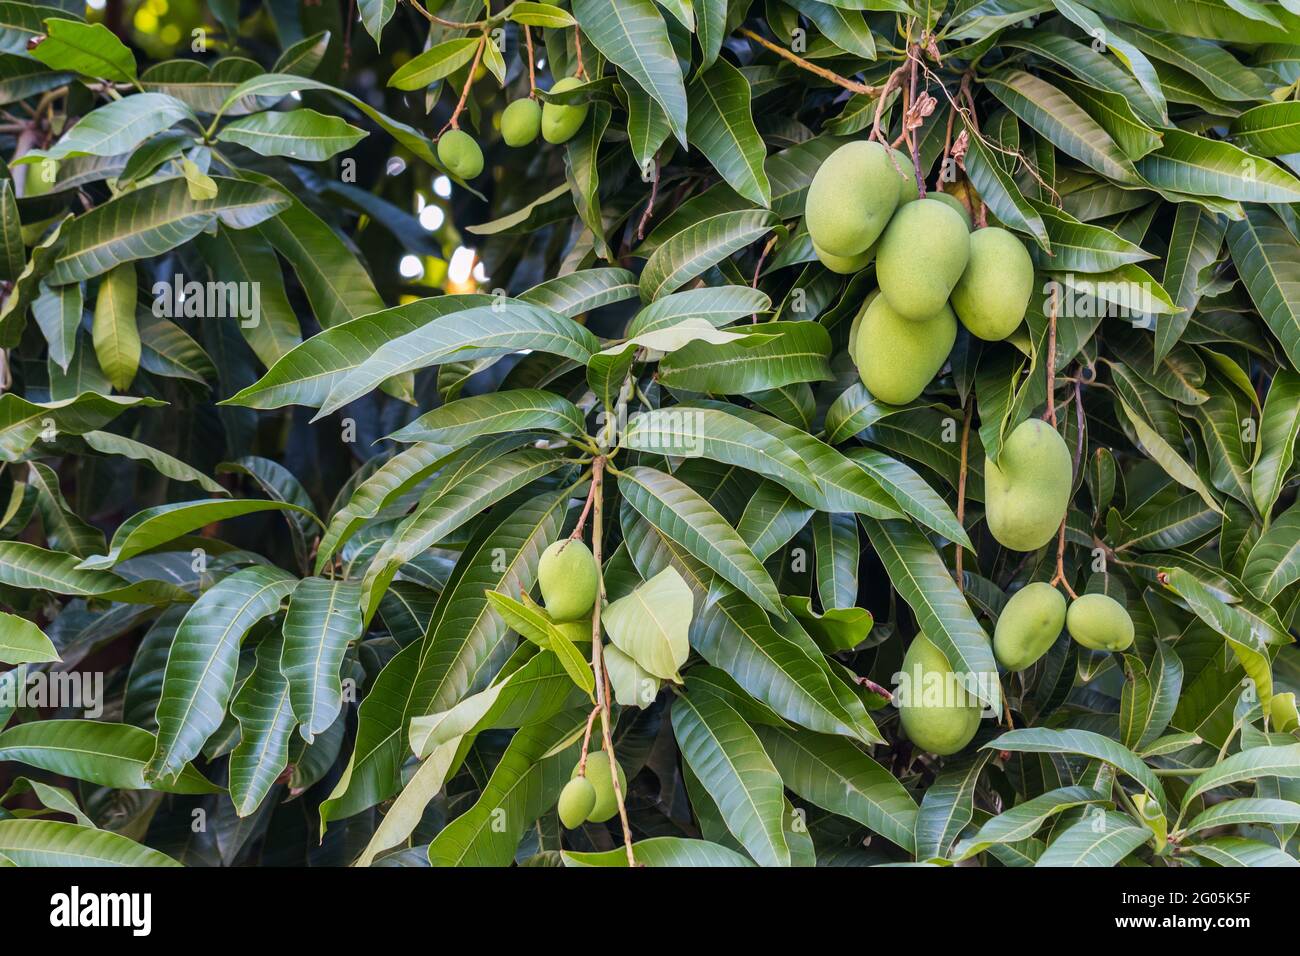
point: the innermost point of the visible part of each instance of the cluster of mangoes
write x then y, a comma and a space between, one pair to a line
521, 121
864, 204
940, 715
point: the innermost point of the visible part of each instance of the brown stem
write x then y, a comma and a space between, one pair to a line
350, 15
454, 122
586, 509
961, 488
650, 205
597, 659
895, 77
577, 50
758, 269
1050, 414
803, 64
912, 138
586, 737
452, 24
532, 64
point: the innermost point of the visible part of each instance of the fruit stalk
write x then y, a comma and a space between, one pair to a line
961, 488
454, 122
597, 660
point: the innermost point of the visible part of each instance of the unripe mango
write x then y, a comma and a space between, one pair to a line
897, 357
936, 712
950, 199
1099, 622
559, 122
521, 122
921, 256
598, 773
41, 177
992, 294
907, 190
851, 198
844, 265
460, 154
1028, 625
577, 800
857, 321
567, 576
1027, 490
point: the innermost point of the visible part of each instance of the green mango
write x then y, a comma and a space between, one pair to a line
844, 265
1027, 490
577, 801
567, 576
559, 122
521, 122
993, 293
897, 357
936, 711
460, 154
956, 203
852, 196
1099, 622
41, 177
922, 254
598, 773
1028, 625
857, 321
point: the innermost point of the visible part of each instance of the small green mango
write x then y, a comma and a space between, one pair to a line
907, 190
521, 122
41, 177
1027, 490
851, 198
897, 357
936, 712
559, 122
599, 774
577, 800
1099, 622
1028, 625
567, 576
921, 256
956, 203
460, 154
993, 293
844, 265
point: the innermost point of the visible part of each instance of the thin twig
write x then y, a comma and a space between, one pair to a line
451, 24
825, 74
961, 488
532, 64
454, 122
577, 50
597, 660
650, 205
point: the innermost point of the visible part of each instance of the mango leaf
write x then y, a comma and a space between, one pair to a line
105, 754
635, 38
1268, 761
1025, 819
30, 567
795, 352
108, 443
650, 625
24, 423
699, 246
434, 64
324, 616
201, 667
266, 721
836, 775
525, 784
116, 127
151, 527
721, 124
1267, 257
728, 759
50, 843
685, 516
301, 134
152, 220
22, 642
1102, 838
90, 49
1274, 562
661, 852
